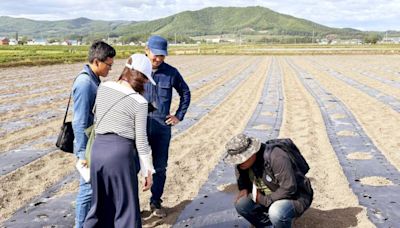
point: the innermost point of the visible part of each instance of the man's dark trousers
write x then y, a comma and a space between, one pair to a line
159, 136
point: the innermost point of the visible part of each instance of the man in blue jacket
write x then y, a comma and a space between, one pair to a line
159, 122
84, 90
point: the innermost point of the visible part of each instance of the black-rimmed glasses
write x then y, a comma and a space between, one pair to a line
109, 65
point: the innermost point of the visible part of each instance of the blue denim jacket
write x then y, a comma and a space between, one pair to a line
166, 78
84, 92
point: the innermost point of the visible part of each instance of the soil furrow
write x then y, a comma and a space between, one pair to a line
303, 123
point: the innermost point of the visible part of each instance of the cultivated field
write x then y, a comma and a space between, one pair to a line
39, 55
226, 89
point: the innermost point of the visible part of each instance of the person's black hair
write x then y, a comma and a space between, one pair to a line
100, 50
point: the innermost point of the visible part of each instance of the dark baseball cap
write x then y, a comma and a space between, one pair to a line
158, 45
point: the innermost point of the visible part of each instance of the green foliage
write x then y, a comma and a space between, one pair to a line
23, 40
372, 38
42, 55
135, 38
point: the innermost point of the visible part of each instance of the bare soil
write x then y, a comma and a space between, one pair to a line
195, 152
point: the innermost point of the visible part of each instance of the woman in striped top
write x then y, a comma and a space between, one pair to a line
120, 148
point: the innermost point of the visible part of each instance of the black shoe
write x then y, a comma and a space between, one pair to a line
158, 210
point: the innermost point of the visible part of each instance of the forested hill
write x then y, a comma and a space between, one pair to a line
57, 29
225, 20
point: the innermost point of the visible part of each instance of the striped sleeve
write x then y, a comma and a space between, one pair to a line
142, 144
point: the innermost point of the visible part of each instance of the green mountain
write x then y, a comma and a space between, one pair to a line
57, 29
247, 21
224, 20
253, 20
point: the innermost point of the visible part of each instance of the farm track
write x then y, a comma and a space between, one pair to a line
194, 152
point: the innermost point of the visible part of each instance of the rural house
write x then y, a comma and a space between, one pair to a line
4, 41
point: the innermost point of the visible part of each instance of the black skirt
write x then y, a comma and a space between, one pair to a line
113, 176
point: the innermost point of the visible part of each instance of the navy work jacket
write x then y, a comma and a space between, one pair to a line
166, 78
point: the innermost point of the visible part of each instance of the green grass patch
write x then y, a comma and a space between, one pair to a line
11, 56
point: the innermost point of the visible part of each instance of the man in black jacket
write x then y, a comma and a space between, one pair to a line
271, 192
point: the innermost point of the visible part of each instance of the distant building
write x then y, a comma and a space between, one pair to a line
356, 41
66, 43
4, 41
13, 42
37, 42
213, 40
391, 40
220, 39
228, 40
76, 42
71, 42
349, 41
54, 42
323, 41
41, 42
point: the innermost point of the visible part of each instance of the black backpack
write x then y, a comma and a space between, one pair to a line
288, 146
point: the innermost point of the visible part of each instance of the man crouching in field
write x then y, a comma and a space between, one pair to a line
84, 90
273, 190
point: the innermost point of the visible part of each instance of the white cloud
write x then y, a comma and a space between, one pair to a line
364, 14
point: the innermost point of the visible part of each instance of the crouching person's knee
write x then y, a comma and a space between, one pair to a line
244, 205
281, 213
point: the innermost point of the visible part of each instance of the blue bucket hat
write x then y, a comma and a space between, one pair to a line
158, 45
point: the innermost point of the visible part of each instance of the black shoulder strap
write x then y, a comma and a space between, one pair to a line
267, 155
70, 94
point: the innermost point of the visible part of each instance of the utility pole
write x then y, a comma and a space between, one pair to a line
175, 38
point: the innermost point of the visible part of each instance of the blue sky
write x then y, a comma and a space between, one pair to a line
377, 15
